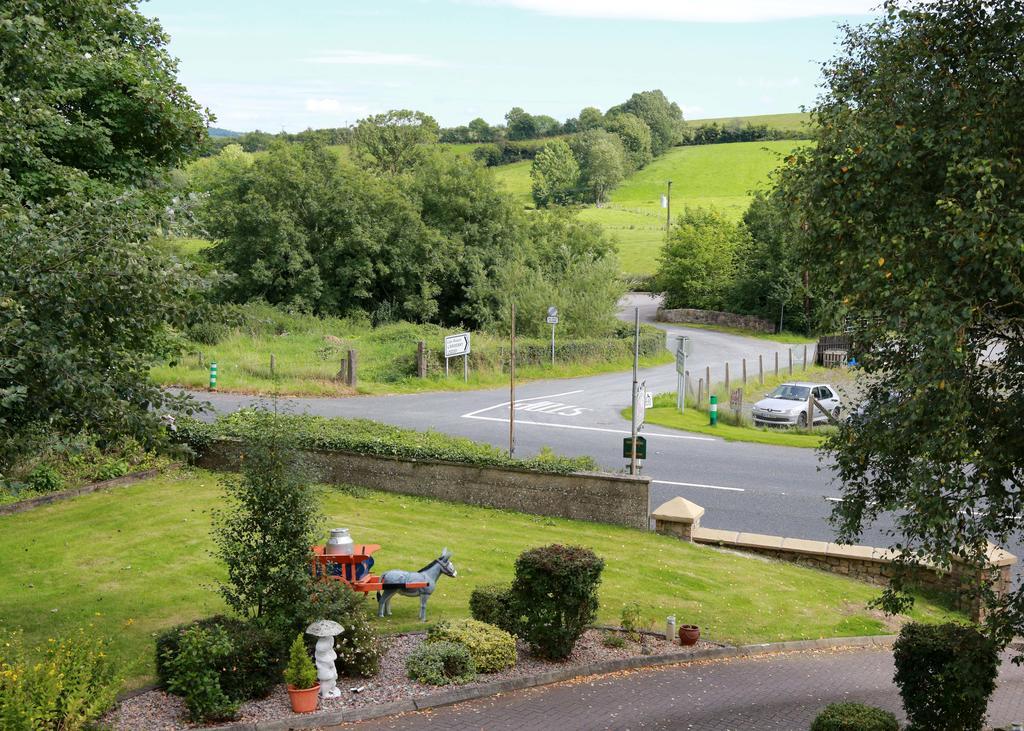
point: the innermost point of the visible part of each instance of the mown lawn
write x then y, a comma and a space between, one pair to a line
135, 560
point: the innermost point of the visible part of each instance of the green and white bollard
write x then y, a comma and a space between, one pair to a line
714, 410
213, 376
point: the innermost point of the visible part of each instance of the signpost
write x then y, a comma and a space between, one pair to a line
454, 346
682, 350
552, 320
641, 447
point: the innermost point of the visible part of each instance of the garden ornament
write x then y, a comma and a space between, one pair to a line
395, 581
325, 631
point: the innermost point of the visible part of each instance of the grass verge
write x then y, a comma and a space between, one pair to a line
138, 560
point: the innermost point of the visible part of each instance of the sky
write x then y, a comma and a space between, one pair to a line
272, 65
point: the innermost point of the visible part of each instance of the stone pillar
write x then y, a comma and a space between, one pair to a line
678, 517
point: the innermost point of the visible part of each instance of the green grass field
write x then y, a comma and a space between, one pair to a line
515, 179
135, 560
790, 121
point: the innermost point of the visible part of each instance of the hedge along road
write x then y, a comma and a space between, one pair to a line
743, 486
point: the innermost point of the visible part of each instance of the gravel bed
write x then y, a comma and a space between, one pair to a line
161, 711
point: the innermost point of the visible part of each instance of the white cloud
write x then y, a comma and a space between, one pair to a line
727, 11
335, 106
375, 58
691, 112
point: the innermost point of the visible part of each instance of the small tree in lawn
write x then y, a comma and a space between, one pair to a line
264, 534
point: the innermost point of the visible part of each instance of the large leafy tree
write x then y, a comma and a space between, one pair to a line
635, 136
521, 124
88, 94
393, 141
697, 262
555, 174
664, 118
91, 116
602, 161
912, 209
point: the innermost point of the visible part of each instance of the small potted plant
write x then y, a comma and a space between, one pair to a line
300, 675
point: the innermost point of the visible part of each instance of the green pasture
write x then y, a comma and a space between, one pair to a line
791, 121
135, 560
515, 179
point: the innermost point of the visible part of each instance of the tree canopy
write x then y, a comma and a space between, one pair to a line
392, 141
664, 118
913, 199
554, 175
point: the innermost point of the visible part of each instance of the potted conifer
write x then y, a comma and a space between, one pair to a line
300, 676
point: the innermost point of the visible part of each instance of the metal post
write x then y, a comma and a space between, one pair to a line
668, 208
636, 363
713, 411
213, 376
512, 387
465, 368
272, 364
552, 344
446, 366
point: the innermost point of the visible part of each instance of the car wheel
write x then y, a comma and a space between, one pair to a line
801, 421
835, 412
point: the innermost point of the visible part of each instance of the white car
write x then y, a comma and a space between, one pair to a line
787, 404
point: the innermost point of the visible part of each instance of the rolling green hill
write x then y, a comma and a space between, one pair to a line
794, 120
722, 176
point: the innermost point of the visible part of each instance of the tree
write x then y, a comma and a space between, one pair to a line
602, 162
555, 174
664, 118
90, 96
912, 201
590, 118
296, 228
546, 126
264, 533
697, 262
393, 141
480, 130
521, 125
635, 136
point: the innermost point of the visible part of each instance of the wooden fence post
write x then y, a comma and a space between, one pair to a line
805, 357
810, 408
707, 380
421, 359
273, 363
790, 361
776, 364
351, 376
760, 369
700, 392
744, 373
727, 376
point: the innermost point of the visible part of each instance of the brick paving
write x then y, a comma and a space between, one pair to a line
783, 691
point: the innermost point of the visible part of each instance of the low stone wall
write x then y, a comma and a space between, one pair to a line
594, 497
681, 518
713, 317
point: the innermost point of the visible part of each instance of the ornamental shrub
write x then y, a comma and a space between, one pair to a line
441, 663
945, 673
300, 672
854, 717
250, 669
65, 685
359, 647
194, 673
555, 597
492, 648
493, 605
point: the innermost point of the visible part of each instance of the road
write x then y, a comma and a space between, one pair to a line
746, 487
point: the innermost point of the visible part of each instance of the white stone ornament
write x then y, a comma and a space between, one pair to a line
325, 631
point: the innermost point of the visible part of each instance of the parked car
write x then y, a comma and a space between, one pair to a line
787, 404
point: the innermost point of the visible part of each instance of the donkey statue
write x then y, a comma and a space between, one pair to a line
396, 581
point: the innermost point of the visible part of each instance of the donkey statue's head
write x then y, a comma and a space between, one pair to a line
445, 562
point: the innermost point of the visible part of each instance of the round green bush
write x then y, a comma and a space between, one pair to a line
493, 649
854, 717
441, 663
493, 605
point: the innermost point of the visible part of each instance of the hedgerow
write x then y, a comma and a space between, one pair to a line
368, 437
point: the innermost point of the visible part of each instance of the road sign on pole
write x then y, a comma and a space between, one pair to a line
643, 400
552, 320
682, 350
454, 346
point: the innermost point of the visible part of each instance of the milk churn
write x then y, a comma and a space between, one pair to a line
340, 543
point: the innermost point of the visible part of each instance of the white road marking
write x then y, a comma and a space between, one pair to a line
587, 428
834, 499
472, 414
697, 484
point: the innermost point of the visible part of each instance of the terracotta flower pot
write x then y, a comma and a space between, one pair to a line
689, 634
304, 700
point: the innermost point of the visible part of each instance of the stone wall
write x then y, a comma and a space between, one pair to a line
595, 497
712, 317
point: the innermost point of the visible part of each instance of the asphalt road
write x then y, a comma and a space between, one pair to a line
746, 487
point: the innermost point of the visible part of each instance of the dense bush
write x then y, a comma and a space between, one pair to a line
66, 685
493, 649
300, 673
493, 605
195, 671
555, 596
359, 648
441, 663
945, 673
854, 717
249, 669
370, 437
698, 261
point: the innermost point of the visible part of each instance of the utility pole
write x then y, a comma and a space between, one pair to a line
668, 208
636, 364
512, 388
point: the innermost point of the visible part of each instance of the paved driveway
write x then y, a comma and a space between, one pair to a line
783, 691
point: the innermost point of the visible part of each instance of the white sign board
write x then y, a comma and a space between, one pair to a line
682, 350
664, 201
642, 399
552, 318
456, 345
